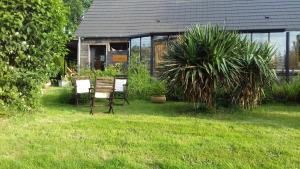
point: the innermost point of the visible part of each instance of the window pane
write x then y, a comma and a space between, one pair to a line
260, 37
135, 48
160, 46
119, 46
294, 52
146, 50
278, 40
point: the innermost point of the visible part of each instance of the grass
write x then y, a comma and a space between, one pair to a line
146, 135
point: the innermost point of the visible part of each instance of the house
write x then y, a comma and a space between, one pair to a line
112, 31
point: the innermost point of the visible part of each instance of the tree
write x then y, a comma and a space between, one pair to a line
199, 60
77, 8
255, 72
205, 58
31, 37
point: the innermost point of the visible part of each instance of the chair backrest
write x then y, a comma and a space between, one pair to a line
104, 87
120, 82
83, 84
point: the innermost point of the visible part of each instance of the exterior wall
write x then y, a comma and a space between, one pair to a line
286, 43
85, 49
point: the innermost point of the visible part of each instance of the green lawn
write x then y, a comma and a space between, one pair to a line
146, 135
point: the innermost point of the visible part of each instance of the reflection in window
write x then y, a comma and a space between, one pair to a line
278, 40
294, 52
160, 46
135, 48
146, 50
260, 37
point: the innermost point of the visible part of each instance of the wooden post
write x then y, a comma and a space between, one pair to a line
78, 54
129, 52
141, 49
287, 66
152, 53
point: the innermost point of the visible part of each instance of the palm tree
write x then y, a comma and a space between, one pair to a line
199, 60
255, 62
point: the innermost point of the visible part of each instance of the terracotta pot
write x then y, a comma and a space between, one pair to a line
158, 99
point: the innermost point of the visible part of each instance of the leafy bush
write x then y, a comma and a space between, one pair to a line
77, 8
31, 37
157, 88
110, 71
20, 89
286, 91
139, 80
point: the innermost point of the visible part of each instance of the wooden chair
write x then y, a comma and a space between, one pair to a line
121, 88
82, 86
104, 89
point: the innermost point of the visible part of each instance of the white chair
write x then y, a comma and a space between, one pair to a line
121, 85
82, 86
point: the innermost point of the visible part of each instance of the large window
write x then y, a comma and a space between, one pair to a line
160, 46
141, 48
294, 51
146, 50
135, 48
260, 37
278, 40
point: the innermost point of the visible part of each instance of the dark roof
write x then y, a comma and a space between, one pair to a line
124, 18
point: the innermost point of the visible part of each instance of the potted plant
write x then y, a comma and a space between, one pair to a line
158, 91
62, 76
63, 82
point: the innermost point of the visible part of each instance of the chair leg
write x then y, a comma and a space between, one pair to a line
92, 105
111, 109
126, 98
77, 98
123, 98
127, 101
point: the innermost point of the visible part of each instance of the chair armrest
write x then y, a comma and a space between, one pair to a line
91, 90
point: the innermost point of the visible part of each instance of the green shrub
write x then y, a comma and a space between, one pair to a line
139, 80
31, 38
157, 88
110, 71
287, 91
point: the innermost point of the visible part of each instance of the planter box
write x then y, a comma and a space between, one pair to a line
158, 99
